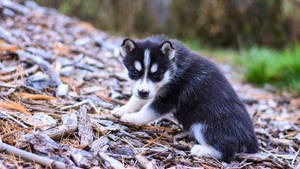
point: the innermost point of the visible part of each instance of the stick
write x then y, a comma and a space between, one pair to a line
296, 155
7, 85
79, 104
33, 157
15, 120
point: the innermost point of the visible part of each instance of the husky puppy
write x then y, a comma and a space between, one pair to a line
168, 77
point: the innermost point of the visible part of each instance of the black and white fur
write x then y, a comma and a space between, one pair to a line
169, 77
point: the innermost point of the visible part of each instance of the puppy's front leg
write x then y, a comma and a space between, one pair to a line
132, 105
144, 116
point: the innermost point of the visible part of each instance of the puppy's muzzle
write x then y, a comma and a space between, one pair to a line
143, 94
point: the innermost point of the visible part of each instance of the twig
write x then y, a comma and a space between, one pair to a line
296, 155
126, 141
79, 104
142, 160
15, 120
151, 142
33, 157
7, 85
276, 156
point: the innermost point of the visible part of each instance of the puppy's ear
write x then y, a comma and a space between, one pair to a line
127, 46
167, 49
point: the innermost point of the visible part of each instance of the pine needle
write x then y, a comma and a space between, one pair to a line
35, 96
13, 106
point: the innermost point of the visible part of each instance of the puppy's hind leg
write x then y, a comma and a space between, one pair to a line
204, 149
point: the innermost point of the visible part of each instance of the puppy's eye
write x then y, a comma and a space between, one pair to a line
134, 72
156, 75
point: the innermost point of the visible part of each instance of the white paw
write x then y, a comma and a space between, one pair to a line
131, 118
120, 111
204, 151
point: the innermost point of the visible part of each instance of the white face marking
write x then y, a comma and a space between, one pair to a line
147, 85
138, 65
146, 60
154, 68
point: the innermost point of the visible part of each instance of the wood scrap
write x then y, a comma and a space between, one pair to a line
84, 127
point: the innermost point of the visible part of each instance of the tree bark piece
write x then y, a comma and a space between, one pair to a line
85, 130
111, 162
69, 126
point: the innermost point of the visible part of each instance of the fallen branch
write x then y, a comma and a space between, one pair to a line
33, 157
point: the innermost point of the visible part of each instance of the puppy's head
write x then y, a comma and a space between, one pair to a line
149, 64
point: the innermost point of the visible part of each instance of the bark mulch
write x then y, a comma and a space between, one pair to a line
59, 80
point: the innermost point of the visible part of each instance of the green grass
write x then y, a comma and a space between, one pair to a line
260, 65
280, 68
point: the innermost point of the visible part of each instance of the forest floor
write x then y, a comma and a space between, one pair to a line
59, 80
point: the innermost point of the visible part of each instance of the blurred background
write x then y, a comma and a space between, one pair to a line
259, 37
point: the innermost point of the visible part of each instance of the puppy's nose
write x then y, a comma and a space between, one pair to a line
143, 93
